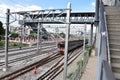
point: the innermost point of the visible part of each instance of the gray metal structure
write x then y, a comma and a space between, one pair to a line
49, 16
66, 41
6, 38
104, 69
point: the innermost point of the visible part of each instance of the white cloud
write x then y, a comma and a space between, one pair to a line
93, 4
17, 7
51, 8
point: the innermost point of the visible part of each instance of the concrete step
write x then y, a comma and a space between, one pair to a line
114, 45
112, 17
113, 21
114, 37
114, 52
114, 28
110, 7
115, 67
115, 60
115, 56
113, 25
117, 75
114, 41
114, 34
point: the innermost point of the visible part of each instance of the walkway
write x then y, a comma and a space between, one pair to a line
90, 72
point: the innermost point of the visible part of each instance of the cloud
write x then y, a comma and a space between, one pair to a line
93, 4
51, 8
17, 7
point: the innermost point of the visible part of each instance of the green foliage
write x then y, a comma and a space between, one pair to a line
14, 35
62, 35
80, 62
85, 53
89, 49
33, 34
1, 43
70, 74
2, 30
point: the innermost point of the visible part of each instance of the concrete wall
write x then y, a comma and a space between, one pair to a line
112, 2
106, 2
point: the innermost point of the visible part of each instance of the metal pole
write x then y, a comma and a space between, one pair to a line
91, 35
97, 12
41, 26
21, 39
56, 29
84, 38
38, 37
66, 41
6, 38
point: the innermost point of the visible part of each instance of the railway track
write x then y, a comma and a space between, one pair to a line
52, 72
57, 68
24, 48
30, 67
24, 57
24, 51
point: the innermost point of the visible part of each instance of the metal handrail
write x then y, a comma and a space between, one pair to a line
108, 48
105, 72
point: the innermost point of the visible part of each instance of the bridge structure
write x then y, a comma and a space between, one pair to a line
37, 18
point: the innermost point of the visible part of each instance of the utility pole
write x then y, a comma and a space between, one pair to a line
56, 31
21, 37
66, 41
41, 34
6, 38
38, 37
84, 37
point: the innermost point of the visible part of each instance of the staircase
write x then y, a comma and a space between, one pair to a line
113, 25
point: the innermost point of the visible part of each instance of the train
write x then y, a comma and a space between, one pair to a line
71, 45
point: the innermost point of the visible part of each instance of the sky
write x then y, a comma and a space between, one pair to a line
25, 5
22, 5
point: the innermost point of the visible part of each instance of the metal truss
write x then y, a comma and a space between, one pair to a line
52, 16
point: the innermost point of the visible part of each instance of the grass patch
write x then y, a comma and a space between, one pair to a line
89, 49
11, 44
79, 63
69, 75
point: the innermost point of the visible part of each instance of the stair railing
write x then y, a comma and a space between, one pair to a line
108, 48
104, 69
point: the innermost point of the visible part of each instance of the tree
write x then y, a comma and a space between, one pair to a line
62, 35
14, 35
2, 30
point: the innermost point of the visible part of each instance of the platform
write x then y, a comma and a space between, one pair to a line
90, 71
